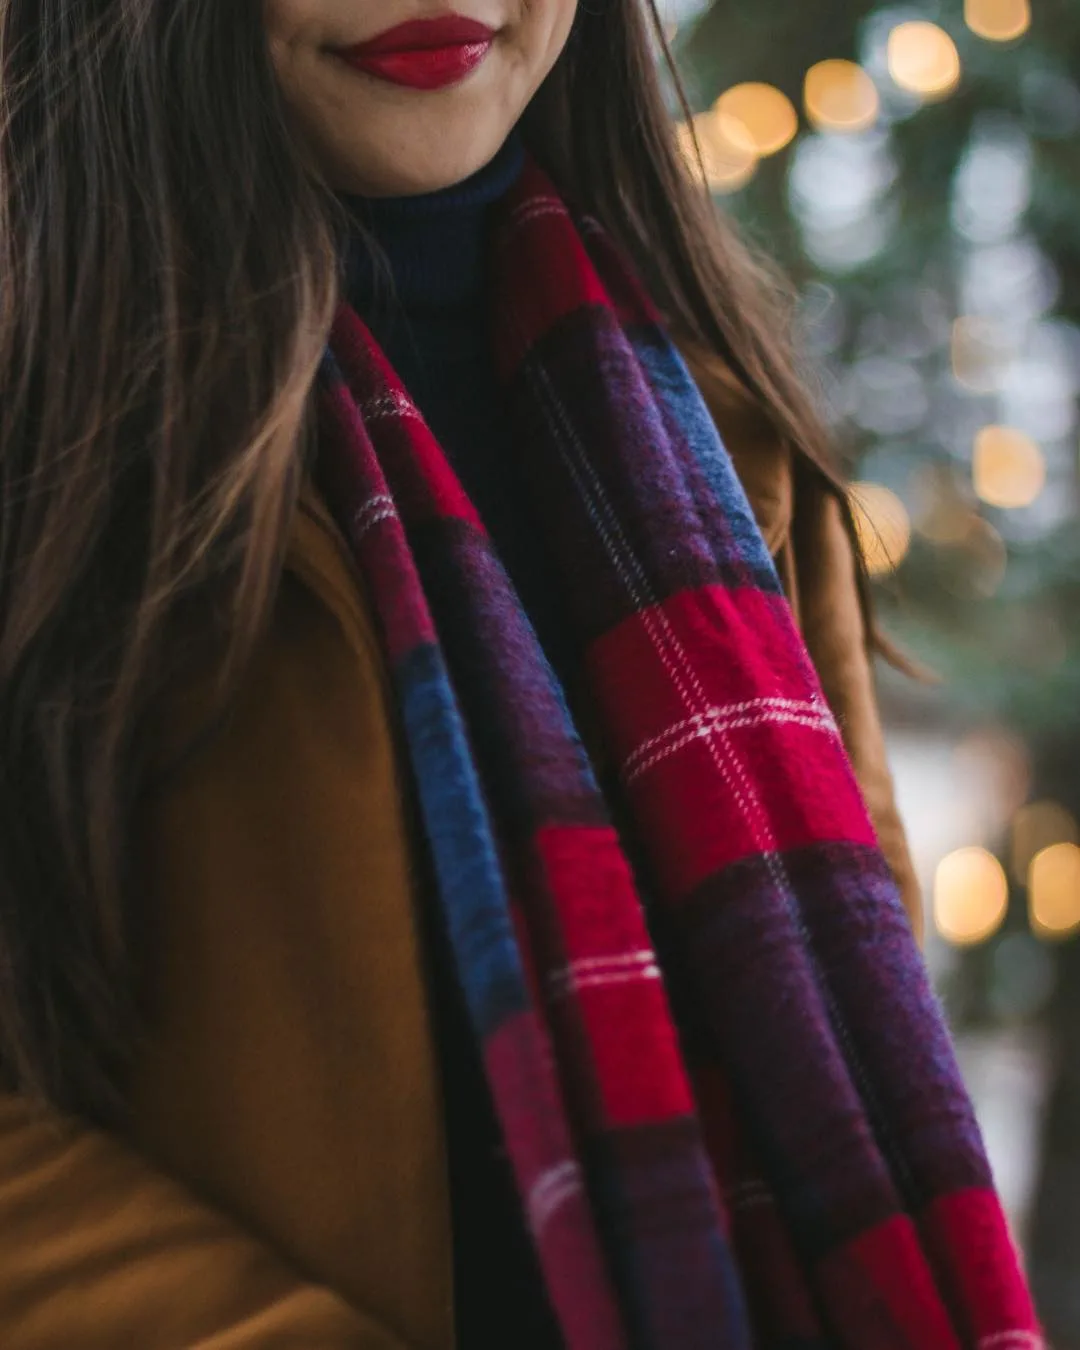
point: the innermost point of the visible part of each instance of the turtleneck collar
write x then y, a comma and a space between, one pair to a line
433, 246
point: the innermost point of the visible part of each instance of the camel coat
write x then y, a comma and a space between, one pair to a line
283, 1185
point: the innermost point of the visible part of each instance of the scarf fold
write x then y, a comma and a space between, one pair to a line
792, 1160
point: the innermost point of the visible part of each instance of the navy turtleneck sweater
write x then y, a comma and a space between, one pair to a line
426, 302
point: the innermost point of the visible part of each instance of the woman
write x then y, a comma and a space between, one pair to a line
348, 476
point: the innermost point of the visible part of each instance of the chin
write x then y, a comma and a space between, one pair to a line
415, 180
438, 161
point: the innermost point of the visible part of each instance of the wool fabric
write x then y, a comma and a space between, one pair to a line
732, 1107
422, 293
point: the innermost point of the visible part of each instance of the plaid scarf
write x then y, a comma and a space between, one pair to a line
789, 1158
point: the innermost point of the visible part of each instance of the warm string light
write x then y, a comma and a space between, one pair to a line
746, 123
1035, 827
971, 896
1008, 469
1054, 891
883, 527
752, 120
727, 161
840, 96
759, 114
971, 890
923, 59
998, 20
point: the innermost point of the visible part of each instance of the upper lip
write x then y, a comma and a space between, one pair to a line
448, 30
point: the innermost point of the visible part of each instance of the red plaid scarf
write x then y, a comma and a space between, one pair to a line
797, 1165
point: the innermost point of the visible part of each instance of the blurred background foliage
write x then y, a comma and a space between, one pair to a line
915, 170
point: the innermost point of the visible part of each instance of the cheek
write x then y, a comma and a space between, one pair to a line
283, 22
293, 36
564, 13
549, 22
294, 30
280, 19
285, 18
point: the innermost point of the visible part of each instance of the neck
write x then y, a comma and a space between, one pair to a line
429, 250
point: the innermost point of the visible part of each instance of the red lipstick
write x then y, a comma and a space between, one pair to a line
424, 54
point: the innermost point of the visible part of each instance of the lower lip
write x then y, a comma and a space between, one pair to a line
423, 68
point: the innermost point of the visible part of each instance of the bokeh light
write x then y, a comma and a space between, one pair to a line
923, 59
979, 352
883, 526
1008, 468
977, 564
759, 114
1054, 891
840, 96
943, 513
998, 20
1001, 760
1035, 827
727, 160
971, 896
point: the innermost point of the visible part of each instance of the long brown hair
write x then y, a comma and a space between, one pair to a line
605, 132
167, 277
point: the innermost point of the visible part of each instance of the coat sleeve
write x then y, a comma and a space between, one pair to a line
280, 1183
101, 1251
